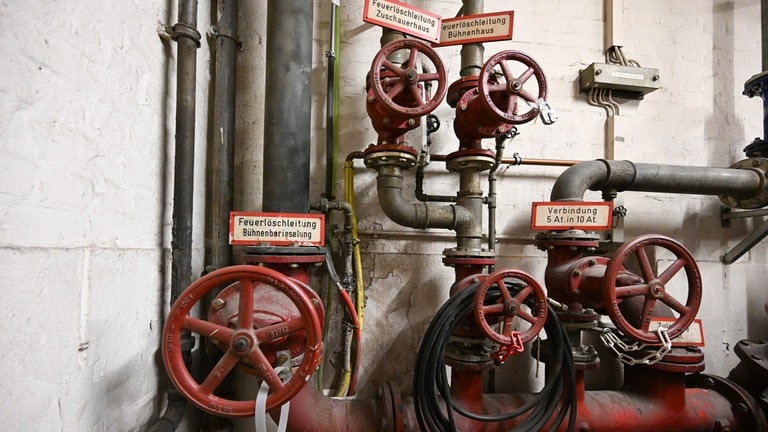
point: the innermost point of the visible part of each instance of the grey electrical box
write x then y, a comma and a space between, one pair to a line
628, 81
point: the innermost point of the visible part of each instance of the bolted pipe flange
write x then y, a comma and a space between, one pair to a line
399, 157
759, 198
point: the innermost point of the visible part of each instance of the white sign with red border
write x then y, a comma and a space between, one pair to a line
278, 229
692, 336
489, 27
594, 216
404, 18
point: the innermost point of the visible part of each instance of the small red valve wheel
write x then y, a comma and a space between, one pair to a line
510, 305
243, 343
501, 93
401, 89
654, 288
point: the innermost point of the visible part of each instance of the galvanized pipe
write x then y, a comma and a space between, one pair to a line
218, 252
469, 236
287, 101
389, 183
472, 54
619, 176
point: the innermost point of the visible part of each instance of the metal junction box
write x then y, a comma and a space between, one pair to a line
629, 81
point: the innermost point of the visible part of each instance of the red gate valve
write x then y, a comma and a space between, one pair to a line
246, 339
518, 289
502, 98
653, 288
397, 97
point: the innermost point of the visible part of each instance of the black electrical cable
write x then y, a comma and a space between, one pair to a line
432, 389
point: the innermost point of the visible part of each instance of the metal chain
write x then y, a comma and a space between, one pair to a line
620, 347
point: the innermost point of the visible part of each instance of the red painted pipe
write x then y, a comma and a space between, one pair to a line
311, 411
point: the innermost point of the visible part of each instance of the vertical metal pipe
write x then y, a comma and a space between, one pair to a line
188, 40
330, 115
472, 54
764, 33
287, 106
218, 253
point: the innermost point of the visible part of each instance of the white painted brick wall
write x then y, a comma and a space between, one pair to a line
86, 131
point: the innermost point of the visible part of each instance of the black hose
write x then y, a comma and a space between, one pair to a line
432, 397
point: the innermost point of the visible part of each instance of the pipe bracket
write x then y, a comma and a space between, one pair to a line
186, 30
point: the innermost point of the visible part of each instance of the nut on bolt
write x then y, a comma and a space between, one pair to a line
218, 304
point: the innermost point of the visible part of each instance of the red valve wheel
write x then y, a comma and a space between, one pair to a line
241, 342
400, 88
510, 305
654, 287
501, 93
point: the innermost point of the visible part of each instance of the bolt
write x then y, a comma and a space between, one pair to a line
708, 382
576, 273
463, 107
218, 304
370, 99
501, 129
598, 71
240, 344
411, 122
592, 262
294, 265
282, 358
315, 302
386, 120
655, 77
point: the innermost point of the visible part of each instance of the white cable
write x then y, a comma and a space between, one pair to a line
260, 410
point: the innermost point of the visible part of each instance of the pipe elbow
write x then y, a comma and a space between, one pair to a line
575, 181
414, 214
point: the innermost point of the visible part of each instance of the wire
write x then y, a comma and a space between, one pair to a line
432, 393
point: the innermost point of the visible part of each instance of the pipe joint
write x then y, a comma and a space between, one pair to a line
620, 174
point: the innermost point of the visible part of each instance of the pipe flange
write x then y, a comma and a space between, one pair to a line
568, 238
404, 160
469, 254
470, 159
760, 198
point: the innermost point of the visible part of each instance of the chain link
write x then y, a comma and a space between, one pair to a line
621, 348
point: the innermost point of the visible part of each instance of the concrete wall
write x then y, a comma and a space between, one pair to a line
86, 131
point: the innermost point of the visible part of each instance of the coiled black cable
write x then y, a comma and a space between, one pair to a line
432, 392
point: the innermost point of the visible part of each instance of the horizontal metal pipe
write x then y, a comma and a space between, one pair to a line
414, 214
619, 176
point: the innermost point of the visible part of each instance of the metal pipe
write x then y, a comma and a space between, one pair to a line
187, 40
312, 411
624, 175
287, 113
471, 54
218, 252
415, 214
764, 33
331, 103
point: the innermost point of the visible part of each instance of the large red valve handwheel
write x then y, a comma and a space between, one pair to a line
400, 88
241, 341
509, 306
501, 94
653, 289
